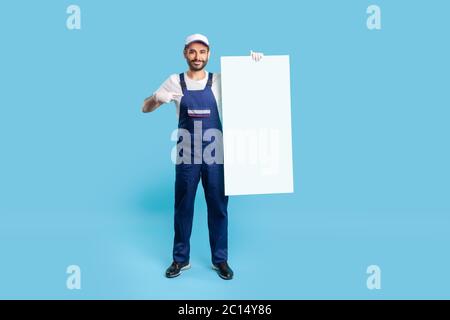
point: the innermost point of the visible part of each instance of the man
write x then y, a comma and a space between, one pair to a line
197, 96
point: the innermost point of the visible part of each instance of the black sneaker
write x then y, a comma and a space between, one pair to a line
175, 269
223, 270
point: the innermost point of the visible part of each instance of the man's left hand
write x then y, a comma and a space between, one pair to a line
256, 56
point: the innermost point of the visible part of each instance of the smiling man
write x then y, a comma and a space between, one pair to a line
197, 96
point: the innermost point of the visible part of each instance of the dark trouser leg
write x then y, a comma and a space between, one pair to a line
217, 202
186, 182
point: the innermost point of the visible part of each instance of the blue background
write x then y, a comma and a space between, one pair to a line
86, 178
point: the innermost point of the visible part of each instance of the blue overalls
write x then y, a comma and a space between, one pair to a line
200, 105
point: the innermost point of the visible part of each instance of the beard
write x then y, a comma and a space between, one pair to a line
197, 67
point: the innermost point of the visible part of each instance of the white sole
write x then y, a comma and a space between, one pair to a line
186, 267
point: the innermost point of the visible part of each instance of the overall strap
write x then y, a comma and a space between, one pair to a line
210, 77
182, 82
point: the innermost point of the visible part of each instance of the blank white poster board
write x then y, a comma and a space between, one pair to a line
256, 116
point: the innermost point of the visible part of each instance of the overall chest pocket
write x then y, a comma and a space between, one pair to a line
199, 112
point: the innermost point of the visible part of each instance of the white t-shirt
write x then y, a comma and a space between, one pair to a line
172, 84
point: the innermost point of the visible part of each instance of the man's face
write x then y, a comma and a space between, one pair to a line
197, 55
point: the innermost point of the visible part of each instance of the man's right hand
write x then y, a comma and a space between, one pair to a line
166, 97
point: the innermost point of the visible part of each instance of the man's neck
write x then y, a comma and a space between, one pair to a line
196, 75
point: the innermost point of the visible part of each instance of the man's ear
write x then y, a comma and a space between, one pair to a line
209, 53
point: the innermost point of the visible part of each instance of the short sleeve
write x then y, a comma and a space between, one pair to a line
172, 84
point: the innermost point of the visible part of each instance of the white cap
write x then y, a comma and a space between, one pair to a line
197, 37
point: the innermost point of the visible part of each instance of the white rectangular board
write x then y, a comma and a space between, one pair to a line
256, 116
